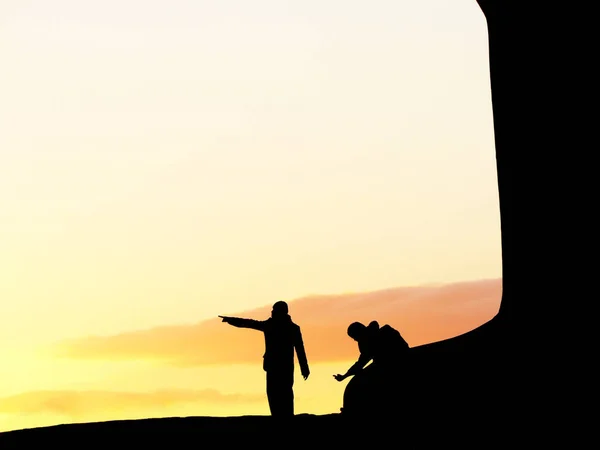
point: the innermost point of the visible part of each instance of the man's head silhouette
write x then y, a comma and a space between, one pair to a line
280, 309
356, 330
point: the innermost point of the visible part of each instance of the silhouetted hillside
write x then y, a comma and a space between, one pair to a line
304, 430
186, 431
200, 432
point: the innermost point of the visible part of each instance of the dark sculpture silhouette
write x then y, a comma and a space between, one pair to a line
282, 337
377, 384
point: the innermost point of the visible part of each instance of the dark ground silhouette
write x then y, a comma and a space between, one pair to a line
475, 390
282, 338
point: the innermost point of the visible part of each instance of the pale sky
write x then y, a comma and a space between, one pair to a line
167, 161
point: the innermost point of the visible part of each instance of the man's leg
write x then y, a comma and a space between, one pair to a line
280, 392
272, 393
287, 392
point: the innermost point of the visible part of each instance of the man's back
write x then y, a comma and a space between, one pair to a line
390, 345
281, 338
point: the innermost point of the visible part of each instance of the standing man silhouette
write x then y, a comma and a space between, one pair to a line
282, 337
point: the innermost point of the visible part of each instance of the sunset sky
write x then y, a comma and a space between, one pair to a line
163, 162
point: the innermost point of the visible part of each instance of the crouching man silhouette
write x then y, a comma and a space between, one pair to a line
373, 385
282, 337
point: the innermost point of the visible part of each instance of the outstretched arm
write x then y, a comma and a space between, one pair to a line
244, 323
301, 353
363, 359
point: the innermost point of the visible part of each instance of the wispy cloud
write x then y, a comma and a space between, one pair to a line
422, 314
79, 403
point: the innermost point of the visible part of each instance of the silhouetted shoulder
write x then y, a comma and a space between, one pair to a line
374, 325
393, 337
296, 332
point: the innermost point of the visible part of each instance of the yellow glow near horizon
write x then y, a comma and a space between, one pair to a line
99, 391
165, 162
